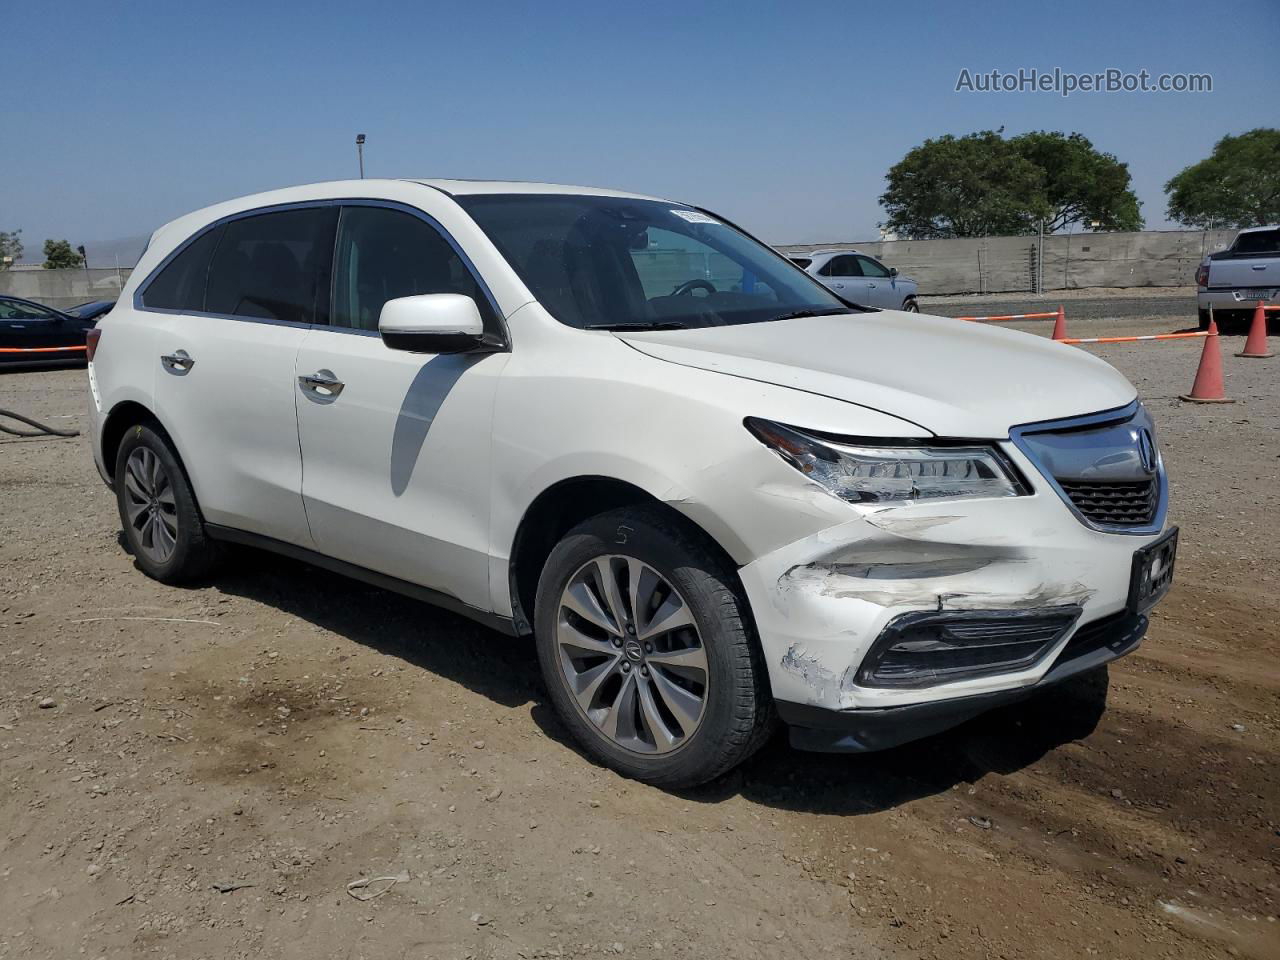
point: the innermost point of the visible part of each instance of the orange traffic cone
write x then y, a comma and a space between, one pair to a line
1208, 386
1060, 325
1256, 345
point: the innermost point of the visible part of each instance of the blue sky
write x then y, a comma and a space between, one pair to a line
782, 117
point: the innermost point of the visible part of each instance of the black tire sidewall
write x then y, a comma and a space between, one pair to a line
192, 552
733, 667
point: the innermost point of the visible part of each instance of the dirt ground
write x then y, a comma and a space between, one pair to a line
219, 763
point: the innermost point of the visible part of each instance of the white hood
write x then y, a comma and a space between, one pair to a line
955, 379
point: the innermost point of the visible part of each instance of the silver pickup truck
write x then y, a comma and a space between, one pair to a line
1232, 281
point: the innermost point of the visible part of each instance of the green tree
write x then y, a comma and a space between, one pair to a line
1237, 185
10, 248
982, 185
1082, 185
971, 186
58, 255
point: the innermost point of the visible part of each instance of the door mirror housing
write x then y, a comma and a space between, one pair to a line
434, 323
893, 271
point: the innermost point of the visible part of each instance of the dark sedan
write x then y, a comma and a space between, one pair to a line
31, 334
91, 310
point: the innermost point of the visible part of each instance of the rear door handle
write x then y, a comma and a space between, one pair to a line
178, 360
321, 383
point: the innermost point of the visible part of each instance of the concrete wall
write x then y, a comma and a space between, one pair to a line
1152, 258
63, 288
1165, 258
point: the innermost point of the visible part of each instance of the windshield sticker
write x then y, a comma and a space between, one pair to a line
694, 216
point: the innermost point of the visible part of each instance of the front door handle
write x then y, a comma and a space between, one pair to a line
179, 360
838, 286
322, 383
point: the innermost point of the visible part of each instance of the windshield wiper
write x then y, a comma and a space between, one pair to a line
642, 325
803, 314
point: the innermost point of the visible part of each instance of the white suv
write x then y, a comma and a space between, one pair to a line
715, 493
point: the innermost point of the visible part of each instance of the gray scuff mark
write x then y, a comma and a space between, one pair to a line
895, 520
808, 668
925, 592
849, 679
914, 569
814, 499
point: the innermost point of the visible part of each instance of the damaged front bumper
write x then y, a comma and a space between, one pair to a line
859, 731
824, 605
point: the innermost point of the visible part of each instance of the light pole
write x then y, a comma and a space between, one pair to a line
84, 258
360, 152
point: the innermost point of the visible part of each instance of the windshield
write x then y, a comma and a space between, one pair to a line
611, 262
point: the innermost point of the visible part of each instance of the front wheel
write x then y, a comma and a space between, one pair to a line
910, 306
646, 648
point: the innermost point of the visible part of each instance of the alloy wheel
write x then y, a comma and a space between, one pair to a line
631, 654
150, 506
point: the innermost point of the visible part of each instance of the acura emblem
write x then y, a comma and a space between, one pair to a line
1147, 450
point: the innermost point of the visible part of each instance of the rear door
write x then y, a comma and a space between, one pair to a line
396, 448
237, 303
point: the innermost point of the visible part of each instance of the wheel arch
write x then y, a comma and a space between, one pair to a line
125, 414
561, 507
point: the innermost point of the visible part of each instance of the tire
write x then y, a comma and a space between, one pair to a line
736, 713
158, 513
1203, 316
909, 305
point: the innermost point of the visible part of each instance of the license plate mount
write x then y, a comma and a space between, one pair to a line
1152, 573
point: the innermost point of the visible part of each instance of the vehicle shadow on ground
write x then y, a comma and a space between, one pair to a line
1002, 741
496, 666
505, 670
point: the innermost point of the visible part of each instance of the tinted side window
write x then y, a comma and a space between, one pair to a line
180, 285
1264, 241
274, 266
12, 310
846, 266
871, 269
383, 254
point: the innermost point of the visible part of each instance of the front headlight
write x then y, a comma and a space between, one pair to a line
891, 473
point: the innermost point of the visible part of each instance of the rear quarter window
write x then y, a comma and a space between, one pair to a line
180, 285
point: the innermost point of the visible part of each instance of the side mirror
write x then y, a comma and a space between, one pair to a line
433, 323
893, 271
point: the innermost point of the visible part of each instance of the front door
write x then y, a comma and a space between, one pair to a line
882, 291
396, 445
843, 275
239, 301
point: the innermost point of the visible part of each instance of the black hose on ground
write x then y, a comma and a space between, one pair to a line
40, 430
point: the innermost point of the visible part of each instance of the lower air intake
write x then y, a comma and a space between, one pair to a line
926, 649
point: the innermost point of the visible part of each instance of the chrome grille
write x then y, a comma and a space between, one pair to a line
1105, 466
1114, 504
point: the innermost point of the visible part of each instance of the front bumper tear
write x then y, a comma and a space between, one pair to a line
866, 730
